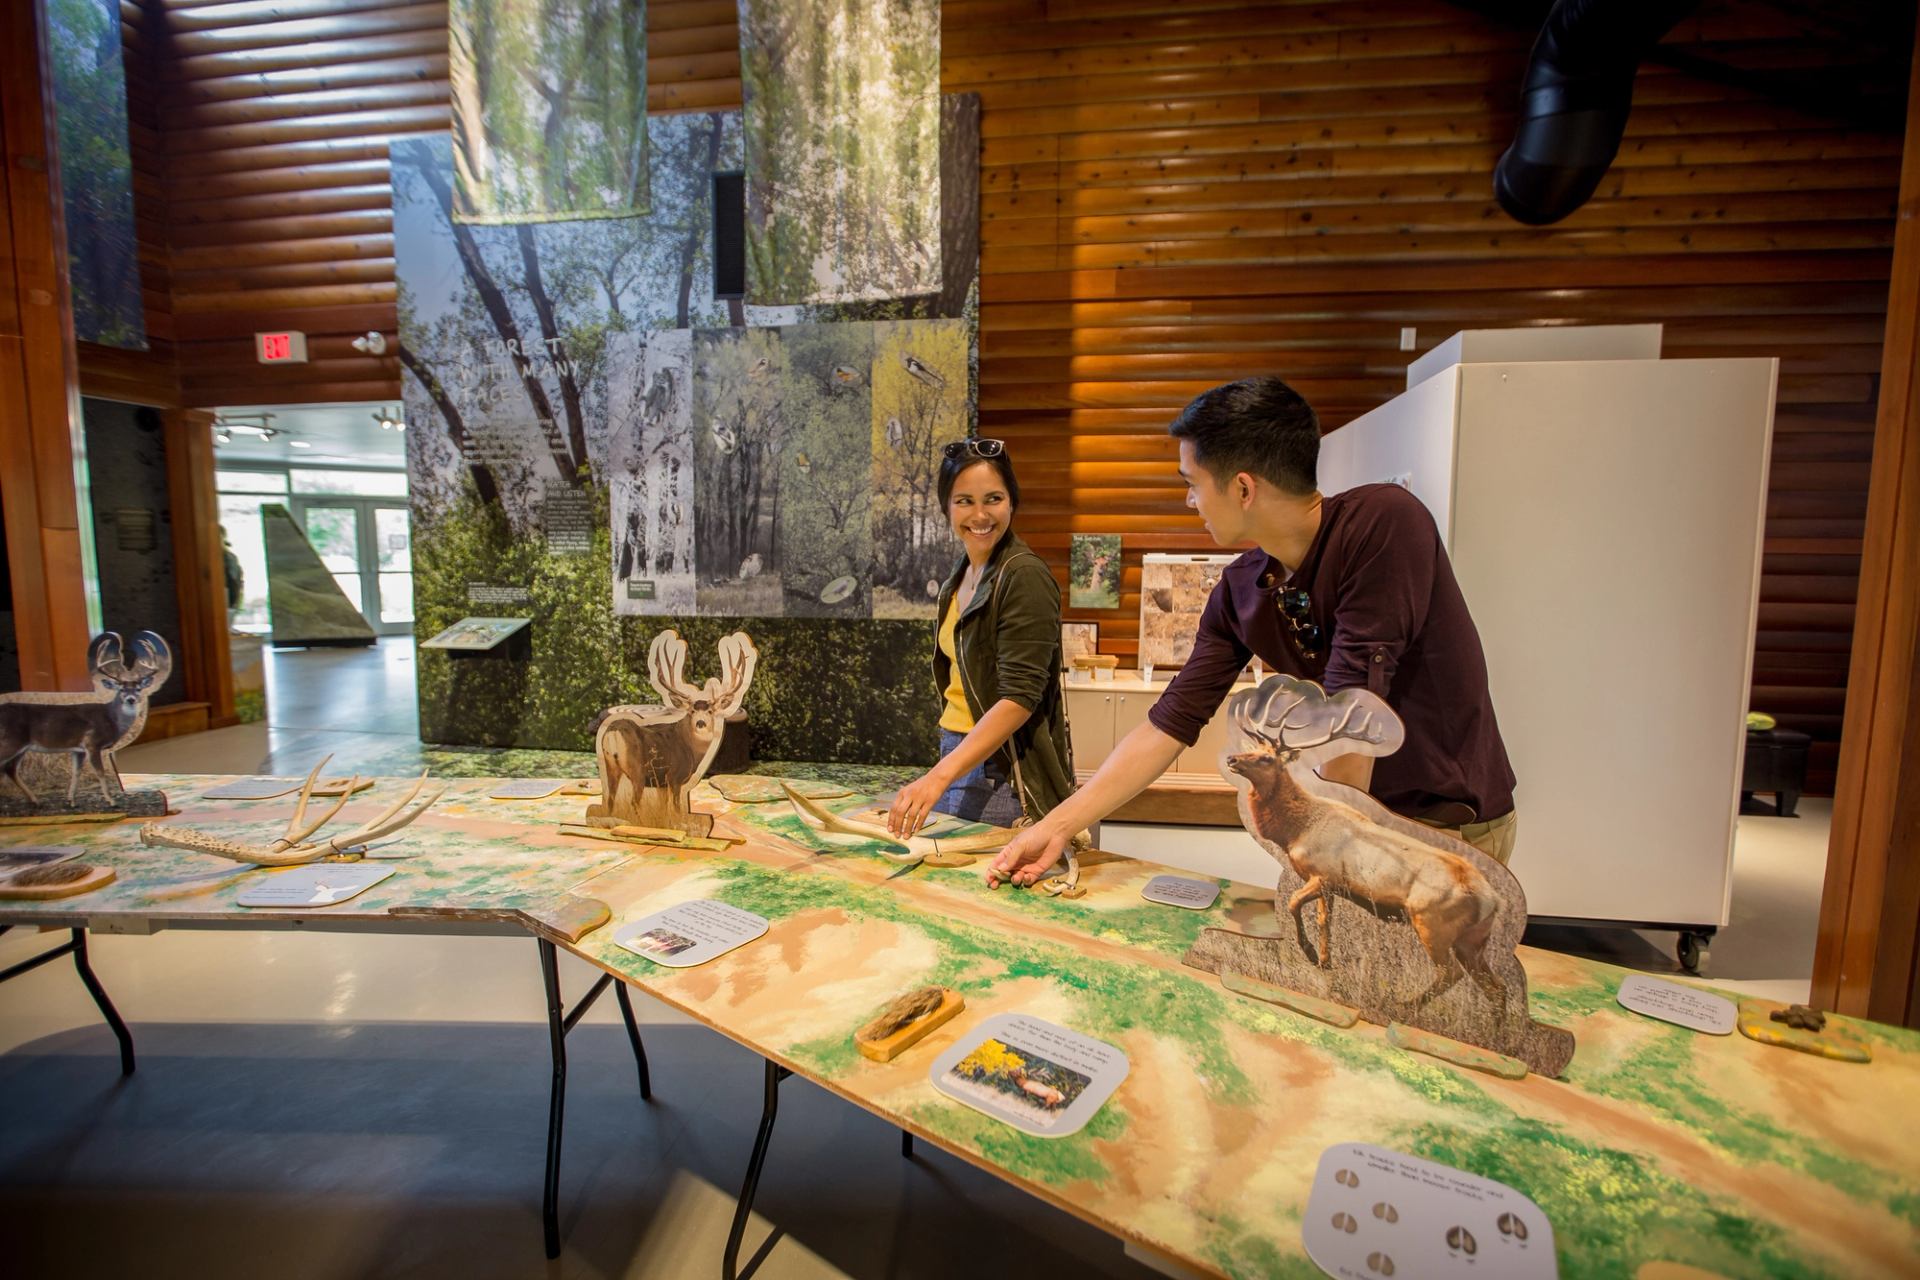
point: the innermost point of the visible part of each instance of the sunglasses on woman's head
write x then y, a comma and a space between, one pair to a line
978, 447
1296, 606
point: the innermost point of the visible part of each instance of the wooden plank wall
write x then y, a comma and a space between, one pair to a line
277, 118
152, 376
1174, 194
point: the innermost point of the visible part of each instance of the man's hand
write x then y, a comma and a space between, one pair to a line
1026, 857
913, 802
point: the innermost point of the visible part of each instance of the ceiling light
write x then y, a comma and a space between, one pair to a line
389, 420
300, 444
221, 437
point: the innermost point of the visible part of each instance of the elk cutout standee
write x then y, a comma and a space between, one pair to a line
87, 728
1401, 922
651, 757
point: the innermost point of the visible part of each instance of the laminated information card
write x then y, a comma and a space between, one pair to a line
690, 933
1037, 1076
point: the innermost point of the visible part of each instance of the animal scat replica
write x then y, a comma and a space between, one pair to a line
1389, 897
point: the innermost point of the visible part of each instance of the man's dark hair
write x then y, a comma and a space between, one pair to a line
950, 469
1258, 425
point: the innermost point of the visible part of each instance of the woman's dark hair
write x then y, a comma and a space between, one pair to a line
950, 469
1260, 426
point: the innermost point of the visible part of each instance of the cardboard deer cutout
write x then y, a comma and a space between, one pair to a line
87, 728
1402, 923
651, 756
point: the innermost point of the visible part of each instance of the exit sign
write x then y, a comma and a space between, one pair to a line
286, 347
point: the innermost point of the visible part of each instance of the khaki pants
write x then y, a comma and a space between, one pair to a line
1493, 838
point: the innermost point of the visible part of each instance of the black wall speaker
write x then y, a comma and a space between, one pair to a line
730, 234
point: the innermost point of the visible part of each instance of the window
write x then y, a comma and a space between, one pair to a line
370, 484
250, 481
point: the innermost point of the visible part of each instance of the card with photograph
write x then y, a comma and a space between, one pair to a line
690, 933
1039, 1077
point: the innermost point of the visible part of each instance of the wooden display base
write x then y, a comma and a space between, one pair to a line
1280, 963
1327, 1011
886, 1048
61, 880
1756, 1023
1470, 1056
16, 810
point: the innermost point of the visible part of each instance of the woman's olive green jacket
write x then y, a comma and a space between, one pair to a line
1008, 644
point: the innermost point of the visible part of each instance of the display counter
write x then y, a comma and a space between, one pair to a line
1659, 1146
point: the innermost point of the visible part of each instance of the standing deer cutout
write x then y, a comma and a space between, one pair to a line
88, 727
1337, 848
651, 756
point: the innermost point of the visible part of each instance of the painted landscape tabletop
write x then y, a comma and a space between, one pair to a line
1661, 1153
471, 858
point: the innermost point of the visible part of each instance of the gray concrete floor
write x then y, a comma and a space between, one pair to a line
347, 1105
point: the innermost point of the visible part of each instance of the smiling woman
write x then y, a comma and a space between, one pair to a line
1003, 740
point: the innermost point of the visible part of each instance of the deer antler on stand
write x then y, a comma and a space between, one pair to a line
292, 849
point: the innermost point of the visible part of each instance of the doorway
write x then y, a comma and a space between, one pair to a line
366, 544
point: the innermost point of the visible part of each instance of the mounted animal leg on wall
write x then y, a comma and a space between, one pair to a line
57, 749
1404, 912
651, 757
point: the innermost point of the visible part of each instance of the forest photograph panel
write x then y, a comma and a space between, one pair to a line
739, 383
650, 472
919, 406
826, 480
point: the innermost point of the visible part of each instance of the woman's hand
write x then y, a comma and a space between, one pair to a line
913, 802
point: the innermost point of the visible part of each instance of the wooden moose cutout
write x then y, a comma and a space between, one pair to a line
651, 756
1401, 922
87, 728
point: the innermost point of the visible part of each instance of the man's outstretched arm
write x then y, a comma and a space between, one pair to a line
1142, 756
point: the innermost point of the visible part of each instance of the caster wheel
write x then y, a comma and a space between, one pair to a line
1693, 951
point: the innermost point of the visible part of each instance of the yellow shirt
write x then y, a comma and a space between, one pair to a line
957, 717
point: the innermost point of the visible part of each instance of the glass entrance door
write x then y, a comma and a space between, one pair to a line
366, 544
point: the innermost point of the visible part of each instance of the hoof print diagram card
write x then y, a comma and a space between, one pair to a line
1034, 1075
690, 933
1375, 1212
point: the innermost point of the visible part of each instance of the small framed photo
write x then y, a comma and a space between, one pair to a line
1076, 639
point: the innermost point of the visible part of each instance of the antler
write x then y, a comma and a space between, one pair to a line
292, 849
154, 662
388, 822
666, 664
915, 847
104, 658
738, 658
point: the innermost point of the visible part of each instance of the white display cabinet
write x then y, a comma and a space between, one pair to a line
1604, 511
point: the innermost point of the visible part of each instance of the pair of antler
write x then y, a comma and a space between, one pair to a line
294, 848
1277, 728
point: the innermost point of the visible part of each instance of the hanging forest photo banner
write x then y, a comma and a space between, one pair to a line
96, 171
843, 148
549, 109
599, 445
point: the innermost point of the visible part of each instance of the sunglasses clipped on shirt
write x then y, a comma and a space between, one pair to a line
1296, 606
977, 447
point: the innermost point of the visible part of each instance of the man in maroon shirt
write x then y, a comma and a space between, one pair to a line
1354, 591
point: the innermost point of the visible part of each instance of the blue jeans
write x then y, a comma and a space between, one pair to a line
984, 794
